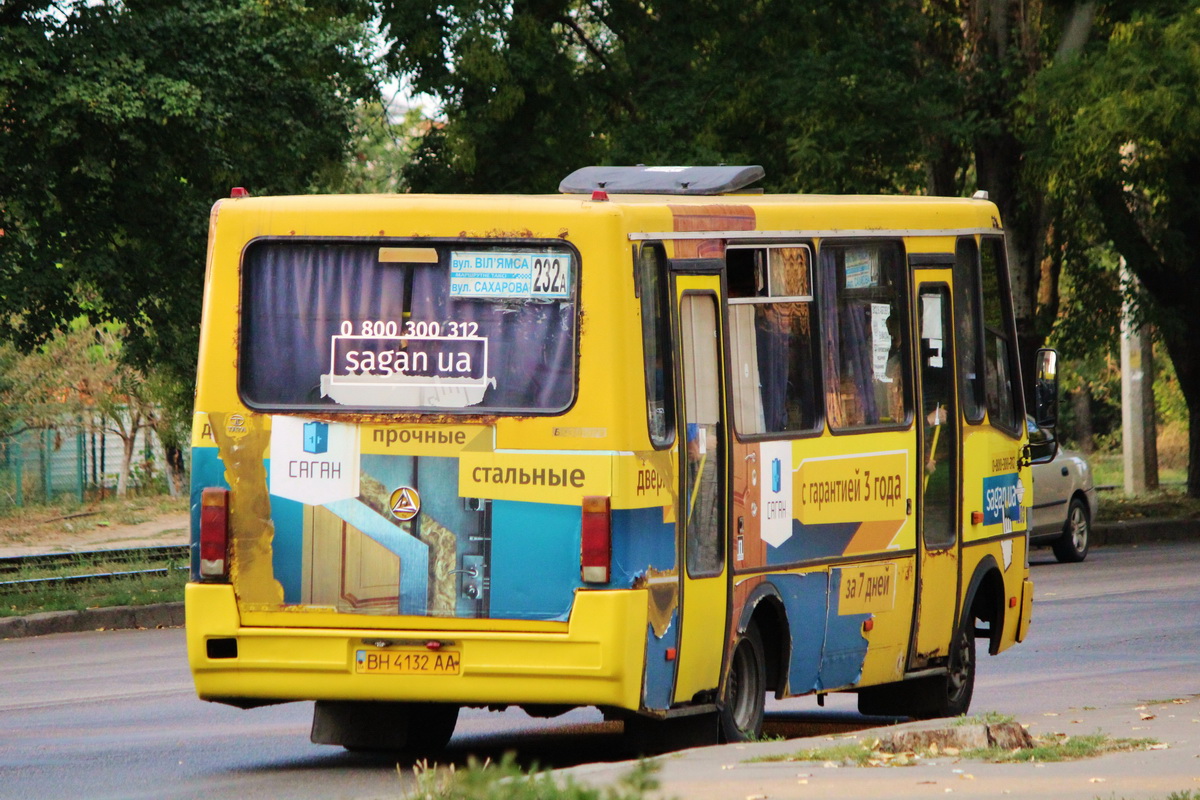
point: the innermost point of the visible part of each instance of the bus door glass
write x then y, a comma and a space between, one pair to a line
702, 453
938, 542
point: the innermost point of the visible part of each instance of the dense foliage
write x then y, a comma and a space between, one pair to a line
122, 123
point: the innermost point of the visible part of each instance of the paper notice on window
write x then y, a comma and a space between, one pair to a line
862, 268
881, 341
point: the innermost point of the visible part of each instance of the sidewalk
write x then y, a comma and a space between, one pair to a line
730, 772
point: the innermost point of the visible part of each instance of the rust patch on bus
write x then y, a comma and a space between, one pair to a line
714, 217
663, 596
251, 531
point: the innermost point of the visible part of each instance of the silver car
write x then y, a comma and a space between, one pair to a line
1064, 498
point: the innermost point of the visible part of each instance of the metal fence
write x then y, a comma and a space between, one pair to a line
78, 461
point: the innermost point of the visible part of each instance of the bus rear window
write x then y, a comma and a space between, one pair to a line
446, 326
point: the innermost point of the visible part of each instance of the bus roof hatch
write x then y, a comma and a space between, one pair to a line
660, 180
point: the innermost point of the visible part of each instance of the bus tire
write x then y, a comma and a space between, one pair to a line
430, 726
741, 708
947, 695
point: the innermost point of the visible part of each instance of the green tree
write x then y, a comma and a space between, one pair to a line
1122, 151
121, 123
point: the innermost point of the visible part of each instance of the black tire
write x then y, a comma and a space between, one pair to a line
430, 726
1072, 546
947, 695
958, 685
741, 707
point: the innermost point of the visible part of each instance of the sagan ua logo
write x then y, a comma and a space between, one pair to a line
405, 503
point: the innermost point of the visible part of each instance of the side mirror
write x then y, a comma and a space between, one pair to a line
1045, 390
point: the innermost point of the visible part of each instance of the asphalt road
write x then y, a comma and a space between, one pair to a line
113, 714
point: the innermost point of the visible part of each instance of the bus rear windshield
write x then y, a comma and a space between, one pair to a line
470, 327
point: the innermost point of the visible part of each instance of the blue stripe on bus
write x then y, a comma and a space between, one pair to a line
813, 542
805, 599
845, 645
660, 673
535, 560
640, 541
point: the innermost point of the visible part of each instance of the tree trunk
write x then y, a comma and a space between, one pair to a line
1081, 404
1187, 368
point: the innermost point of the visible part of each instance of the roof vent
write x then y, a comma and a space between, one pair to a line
980, 195
660, 180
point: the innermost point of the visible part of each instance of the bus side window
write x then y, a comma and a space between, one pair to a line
772, 341
651, 264
864, 320
999, 339
967, 323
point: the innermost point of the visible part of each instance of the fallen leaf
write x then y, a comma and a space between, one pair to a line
966, 776
1096, 780
1148, 716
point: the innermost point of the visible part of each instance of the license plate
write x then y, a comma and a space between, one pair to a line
406, 662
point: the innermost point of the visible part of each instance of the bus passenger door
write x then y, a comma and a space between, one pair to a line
701, 515
938, 537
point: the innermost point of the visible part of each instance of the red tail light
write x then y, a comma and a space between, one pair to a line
595, 555
214, 533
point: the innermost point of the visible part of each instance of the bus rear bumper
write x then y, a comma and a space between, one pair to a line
597, 660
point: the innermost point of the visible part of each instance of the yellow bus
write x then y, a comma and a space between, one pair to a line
658, 444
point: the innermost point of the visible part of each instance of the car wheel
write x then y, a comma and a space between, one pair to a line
1072, 546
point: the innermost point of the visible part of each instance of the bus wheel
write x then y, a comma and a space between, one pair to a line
946, 695
430, 726
959, 682
741, 708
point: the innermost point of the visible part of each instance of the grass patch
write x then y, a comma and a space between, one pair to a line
131, 590
984, 718
506, 781
850, 754
1163, 503
19, 524
1172, 701
1060, 747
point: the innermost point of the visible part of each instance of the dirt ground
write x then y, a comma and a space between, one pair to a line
94, 530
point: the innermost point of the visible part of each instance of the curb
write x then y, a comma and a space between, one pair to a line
161, 615
1145, 530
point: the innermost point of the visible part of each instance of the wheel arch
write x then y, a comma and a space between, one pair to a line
764, 608
984, 599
